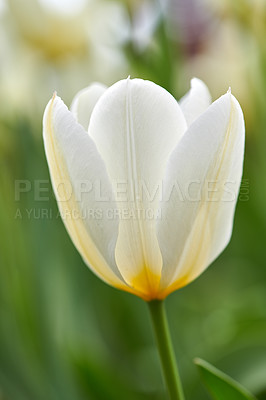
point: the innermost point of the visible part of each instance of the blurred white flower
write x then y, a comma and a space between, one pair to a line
145, 21
47, 49
64, 7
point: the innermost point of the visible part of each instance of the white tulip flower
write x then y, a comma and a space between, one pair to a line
146, 186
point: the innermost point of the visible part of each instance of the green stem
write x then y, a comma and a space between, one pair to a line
165, 348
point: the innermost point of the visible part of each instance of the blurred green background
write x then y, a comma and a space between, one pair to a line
64, 334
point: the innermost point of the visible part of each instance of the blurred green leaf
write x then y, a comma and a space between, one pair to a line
220, 385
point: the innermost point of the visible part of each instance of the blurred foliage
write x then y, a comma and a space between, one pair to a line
64, 334
220, 385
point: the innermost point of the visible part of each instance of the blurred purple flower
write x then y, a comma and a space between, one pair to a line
191, 23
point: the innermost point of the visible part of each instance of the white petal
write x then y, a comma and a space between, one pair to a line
206, 167
196, 101
84, 102
77, 170
135, 125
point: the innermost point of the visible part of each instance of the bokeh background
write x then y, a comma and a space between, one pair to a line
63, 333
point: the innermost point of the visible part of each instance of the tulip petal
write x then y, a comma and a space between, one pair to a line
135, 125
196, 101
77, 170
84, 102
202, 183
